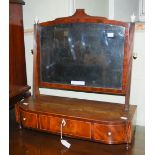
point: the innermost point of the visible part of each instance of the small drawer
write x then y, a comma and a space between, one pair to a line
110, 134
29, 120
72, 127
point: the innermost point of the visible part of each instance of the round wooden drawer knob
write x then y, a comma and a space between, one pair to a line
24, 119
109, 133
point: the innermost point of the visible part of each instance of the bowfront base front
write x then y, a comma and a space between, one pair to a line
92, 120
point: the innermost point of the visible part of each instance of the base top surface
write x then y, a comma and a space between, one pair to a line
79, 108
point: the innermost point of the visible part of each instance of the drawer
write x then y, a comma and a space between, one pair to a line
111, 134
72, 127
29, 120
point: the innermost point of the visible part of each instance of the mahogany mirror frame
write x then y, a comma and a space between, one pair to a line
81, 17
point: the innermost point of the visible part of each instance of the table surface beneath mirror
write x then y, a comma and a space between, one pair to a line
32, 142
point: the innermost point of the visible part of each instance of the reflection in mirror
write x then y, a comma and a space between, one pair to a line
88, 54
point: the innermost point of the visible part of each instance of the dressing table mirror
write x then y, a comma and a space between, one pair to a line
81, 53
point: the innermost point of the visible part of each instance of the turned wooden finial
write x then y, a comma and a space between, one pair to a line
80, 12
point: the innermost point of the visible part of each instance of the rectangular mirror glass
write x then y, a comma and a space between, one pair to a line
86, 54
